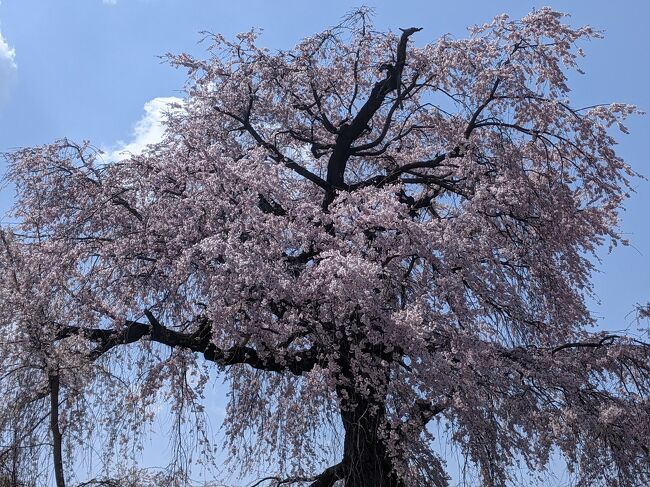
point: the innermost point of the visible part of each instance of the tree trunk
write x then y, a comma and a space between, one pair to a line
366, 459
56, 432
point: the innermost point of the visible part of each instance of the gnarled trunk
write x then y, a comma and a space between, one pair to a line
365, 456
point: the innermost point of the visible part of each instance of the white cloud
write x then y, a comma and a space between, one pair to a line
148, 130
7, 64
7, 54
109, 2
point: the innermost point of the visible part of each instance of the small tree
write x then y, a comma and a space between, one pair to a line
364, 237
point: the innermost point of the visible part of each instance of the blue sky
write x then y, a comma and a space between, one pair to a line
89, 69
85, 69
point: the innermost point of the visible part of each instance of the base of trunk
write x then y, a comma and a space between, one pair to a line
366, 459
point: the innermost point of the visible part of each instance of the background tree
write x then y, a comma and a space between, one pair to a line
364, 237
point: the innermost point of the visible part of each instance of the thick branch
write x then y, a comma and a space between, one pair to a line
348, 133
272, 360
57, 451
419, 416
606, 340
275, 153
383, 180
426, 411
329, 476
325, 479
472, 123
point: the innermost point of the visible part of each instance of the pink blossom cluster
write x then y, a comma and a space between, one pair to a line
366, 239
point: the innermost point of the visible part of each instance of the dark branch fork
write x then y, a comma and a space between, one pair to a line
275, 153
349, 133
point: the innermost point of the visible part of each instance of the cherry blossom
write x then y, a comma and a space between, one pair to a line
373, 243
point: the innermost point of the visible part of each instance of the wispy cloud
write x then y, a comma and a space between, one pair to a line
109, 2
7, 64
148, 130
7, 54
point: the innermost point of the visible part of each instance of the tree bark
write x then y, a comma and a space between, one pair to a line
57, 453
365, 456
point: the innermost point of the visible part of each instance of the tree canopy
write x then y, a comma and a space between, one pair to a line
366, 238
